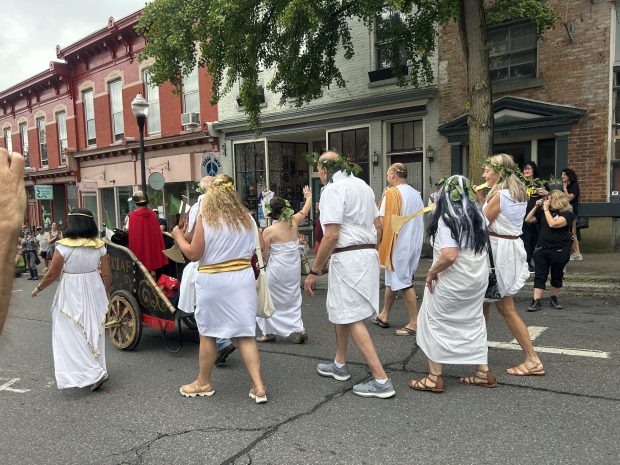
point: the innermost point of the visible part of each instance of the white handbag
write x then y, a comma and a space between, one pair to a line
264, 304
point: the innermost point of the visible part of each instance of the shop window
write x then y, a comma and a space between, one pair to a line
8, 143
89, 202
116, 107
123, 194
151, 91
59, 207
353, 144
23, 138
288, 171
513, 51
61, 123
406, 136
89, 117
250, 172
42, 141
109, 208
615, 162
546, 158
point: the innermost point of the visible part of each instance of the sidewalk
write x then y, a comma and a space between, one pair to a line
596, 274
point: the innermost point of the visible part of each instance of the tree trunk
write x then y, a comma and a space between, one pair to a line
480, 120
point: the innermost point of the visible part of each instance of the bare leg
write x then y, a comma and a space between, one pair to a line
206, 358
342, 342
364, 344
412, 307
539, 292
249, 354
555, 291
389, 296
507, 309
575, 244
434, 368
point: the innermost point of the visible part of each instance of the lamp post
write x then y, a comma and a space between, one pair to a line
140, 108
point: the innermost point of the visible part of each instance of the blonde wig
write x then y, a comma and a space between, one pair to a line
222, 205
558, 201
504, 165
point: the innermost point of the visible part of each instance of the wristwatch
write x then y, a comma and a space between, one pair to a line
314, 273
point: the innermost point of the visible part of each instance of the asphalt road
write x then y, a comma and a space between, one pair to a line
570, 416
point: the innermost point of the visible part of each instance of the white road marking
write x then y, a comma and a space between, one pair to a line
536, 331
7, 386
18, 290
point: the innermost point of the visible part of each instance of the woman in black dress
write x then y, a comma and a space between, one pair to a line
570, 187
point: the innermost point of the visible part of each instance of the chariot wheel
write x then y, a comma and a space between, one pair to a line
123, 320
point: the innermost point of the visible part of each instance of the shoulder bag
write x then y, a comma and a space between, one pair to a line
492, 292
264, 304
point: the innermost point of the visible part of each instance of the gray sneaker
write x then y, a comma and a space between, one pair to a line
374, 389
330, 369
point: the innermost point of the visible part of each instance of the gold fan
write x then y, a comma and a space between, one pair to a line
399, 221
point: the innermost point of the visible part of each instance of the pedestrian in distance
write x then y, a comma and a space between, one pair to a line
53, 236
30, 248
570, 186
504, 207
80, 305
42, 240
555, 216
399, 254
534, 192
451, 326
281, 253
224, 242
349, 217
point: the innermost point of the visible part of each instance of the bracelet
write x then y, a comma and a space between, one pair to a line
314, 273
39, 287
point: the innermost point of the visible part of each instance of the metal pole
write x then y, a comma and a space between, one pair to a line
142, 161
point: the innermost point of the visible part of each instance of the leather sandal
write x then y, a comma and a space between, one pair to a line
404, 331
422, 384
98, 384
523, 370
266, 338
194, 389
487, 380
258, 399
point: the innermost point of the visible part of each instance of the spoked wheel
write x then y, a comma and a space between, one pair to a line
123, 320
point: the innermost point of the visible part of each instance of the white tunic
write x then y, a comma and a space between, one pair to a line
283, 279
509, 254
451, 327
78, 318
353, 280
408, 247
226, 302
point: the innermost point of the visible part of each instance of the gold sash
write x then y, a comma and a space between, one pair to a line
393, 207
235, 264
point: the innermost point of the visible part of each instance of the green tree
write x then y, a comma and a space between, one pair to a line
300, 40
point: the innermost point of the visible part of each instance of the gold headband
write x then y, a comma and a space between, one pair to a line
224, 185
81, 214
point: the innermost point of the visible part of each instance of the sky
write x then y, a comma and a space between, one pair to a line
31, 29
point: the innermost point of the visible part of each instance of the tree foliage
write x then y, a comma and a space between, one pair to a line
300, 40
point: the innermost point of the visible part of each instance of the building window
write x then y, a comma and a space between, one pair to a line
615, 162
61, 123
385, 23
546, 158
23, 139
151, 91
513, 51
42, 141
191, 98
8, 143
89, 117
406, 136
250, 172
288, 171
116, 106
352, 144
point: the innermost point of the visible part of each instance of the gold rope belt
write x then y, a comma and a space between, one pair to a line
229, 265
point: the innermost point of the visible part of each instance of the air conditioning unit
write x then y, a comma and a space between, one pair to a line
190, 120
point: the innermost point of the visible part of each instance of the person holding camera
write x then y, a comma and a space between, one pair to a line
555, 215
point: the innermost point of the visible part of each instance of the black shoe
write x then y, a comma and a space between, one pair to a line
555, 304
223, 354
531, 269
534, 306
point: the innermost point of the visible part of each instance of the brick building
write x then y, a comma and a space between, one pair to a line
95, 161
553, 101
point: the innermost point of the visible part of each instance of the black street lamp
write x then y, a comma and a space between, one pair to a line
140, 108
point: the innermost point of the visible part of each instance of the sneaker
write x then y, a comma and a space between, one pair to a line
330, 369
373, 388
554, 303
534, 306
576, 257
531, 269
223, 354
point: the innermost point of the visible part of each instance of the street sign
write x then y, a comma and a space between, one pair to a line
157, 181
43, 192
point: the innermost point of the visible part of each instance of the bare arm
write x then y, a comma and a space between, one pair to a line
531, 216
195, 249
265, 243
53, 273
491, 211
379, 228
12, 207
301, 215
328, 244
446, 258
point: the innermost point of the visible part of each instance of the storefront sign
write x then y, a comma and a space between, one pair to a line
210, 164
42, 192
87, 186
157, 181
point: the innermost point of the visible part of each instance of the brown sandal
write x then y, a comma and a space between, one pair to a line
488, 380
404, 331
421, 384
523, 370
266, 338
194, 389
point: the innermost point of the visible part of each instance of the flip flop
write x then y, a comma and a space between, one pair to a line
404, 331
379, 322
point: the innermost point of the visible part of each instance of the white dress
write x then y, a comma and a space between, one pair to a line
187, 290
283, 280
78, 318
408, 247
509, 254
226, 302
451, 327
353, 279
